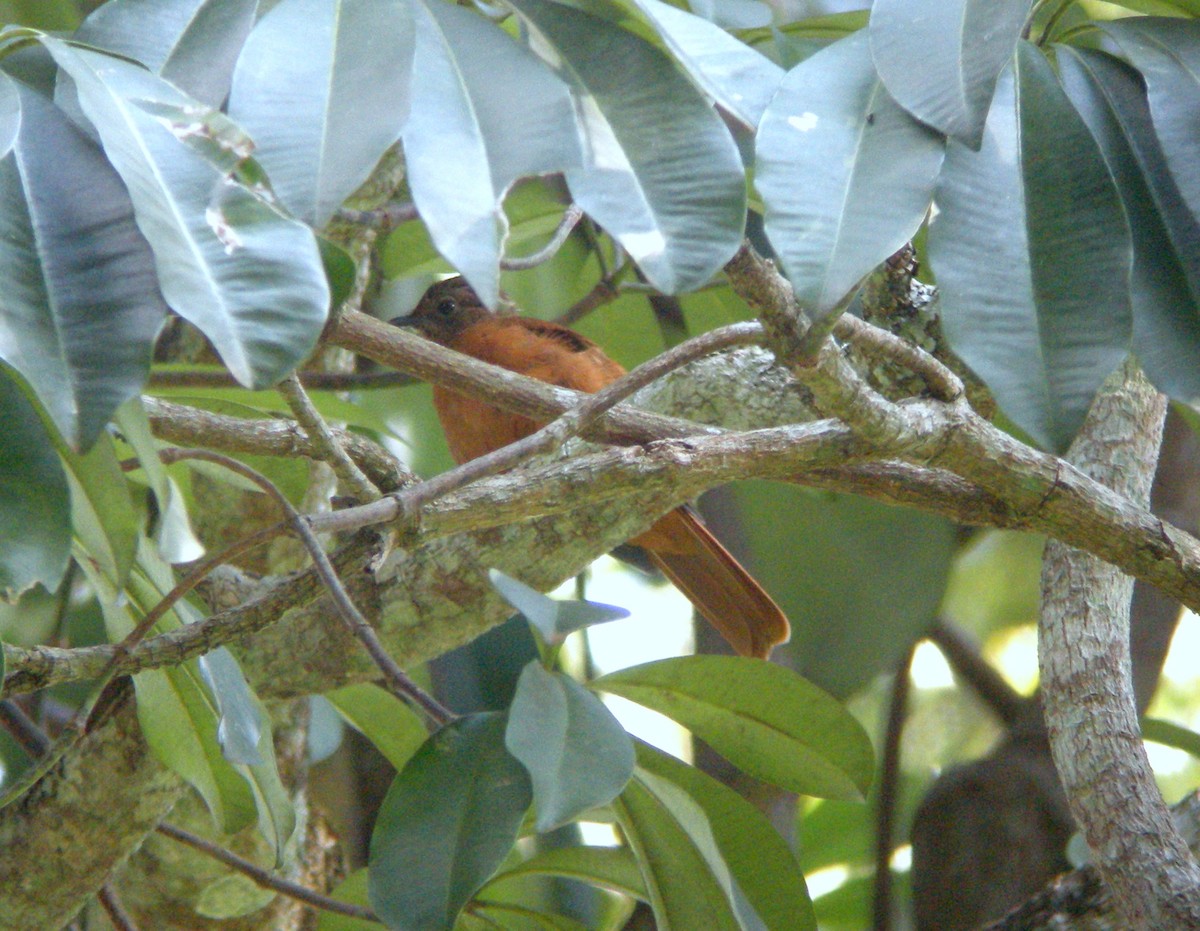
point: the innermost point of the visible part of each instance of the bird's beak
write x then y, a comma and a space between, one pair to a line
408, 320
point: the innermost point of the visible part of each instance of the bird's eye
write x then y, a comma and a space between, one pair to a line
446, 307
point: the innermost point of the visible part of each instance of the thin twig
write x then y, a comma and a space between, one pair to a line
198, 574
578, 419
319, 433
265, 878
943, 384
191, 426
508, 390
399, 683
383, 219
888, 800
23, 729
313, 381
838, 390
525, 262
604, 291
120, 918
1005, 702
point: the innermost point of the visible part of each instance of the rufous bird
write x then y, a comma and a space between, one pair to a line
451, 314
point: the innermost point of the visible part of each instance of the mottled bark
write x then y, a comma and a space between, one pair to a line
1087, 684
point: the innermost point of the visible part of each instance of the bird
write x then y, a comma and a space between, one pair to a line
451, 314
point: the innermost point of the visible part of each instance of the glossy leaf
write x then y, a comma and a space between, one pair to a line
35, 503
736, 76
1038, 202
323, 87
552, 618
606, 867
846, 175
79, 302
448, 821
1166, 318
248, 277
10, 114
326, 730
663, 176
940, 58
1167, 53
577, 754
758, 859
684, 890
763, 718
191, 43
239, 726
485, 112
392, 726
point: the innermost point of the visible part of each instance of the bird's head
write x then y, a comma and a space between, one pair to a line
446, 310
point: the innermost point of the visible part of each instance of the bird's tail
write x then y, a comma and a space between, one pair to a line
720, 588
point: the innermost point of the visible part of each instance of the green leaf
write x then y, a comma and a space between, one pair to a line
339, 270
175, 716
485, 112
764, 719
577, 754
79, 301
42, 14
102, 512
326, 729
1027, 226
846, 175
181, 716
940, 58
35, 501
173, 534
606, 867
10, 114
249, 278
239, 727
758, 859
553, 619
872, 582
664, 177
1167, 53
323, 87
1166, 325
191, 43
684, 891
391, 725
489, 915
232, 896
1171, 735
447, 823
737, 77
533, 210
353, 890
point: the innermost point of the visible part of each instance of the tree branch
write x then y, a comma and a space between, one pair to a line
1087, 686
